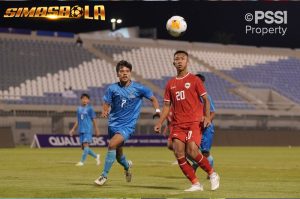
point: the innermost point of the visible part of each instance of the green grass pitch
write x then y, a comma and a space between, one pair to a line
257, 172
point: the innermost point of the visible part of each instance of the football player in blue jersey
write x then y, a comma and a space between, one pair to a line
86, 120
208, 133
122, 104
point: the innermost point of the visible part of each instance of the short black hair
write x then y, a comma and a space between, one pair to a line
181, 51
123, 63
201, 77
84, 95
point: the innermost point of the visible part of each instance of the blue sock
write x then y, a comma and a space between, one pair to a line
123, 162
92, 153
109, 160
210, 160
84, 154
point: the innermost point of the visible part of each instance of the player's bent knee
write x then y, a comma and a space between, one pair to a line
192, 151
118, 159
179, 154
112, 146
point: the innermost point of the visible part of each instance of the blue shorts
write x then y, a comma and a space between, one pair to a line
85, 138
207, 138
126, 132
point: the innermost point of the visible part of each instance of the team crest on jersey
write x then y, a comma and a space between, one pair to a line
131, 95
187, 85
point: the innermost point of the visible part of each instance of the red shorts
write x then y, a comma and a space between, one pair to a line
187, 133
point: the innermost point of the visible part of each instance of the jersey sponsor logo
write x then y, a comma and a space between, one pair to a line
187, 85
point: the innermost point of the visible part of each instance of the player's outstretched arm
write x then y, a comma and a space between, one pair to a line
163, 116
155, 105
105, 110
73, 129
206, 118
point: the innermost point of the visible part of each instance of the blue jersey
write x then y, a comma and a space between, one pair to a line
212, 104
85, 116
125, 103
208, 133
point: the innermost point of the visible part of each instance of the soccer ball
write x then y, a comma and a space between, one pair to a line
176, 26
76, 11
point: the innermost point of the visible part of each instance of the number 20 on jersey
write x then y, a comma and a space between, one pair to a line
180, 95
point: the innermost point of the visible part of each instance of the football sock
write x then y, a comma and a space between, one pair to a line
109, 160
122, 160
85, 152
92, 153
187, 169
195, 164
210, 160
204, 164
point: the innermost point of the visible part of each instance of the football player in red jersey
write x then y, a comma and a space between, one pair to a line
182, 93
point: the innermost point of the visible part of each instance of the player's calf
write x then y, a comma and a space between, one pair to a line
187, 169
193, 152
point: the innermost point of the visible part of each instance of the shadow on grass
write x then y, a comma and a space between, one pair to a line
81, 184
152, 187
91, 185
66, 162
168, 177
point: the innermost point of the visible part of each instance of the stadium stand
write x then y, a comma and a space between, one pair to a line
53, 67
28, 59
42, 78
281, 75
228, 61
50, 69
113, 49
49, 89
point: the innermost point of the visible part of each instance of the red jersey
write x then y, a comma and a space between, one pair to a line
184, 94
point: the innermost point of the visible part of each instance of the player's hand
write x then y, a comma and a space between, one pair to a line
157, 127
206, 122
104, 114
71, 133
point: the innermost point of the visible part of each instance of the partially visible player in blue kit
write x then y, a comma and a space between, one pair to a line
86, 120
208, 133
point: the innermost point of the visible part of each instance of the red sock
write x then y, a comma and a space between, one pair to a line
187, 169
204, 164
